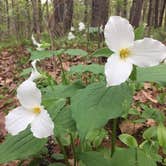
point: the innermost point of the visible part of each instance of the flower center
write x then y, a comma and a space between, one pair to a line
124, 53
36, 110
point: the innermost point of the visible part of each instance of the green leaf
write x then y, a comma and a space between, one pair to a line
152, 74
161, 135
45, 54
26, 71
139, 32
76, 52
93, 68
64, 121
128, 140
20, 146
61, 91
93, 106
151, 113
131, 157
150, 133
94, 159
103, 52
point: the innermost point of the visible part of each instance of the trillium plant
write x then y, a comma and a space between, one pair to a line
119, 36
75, 121
31, 111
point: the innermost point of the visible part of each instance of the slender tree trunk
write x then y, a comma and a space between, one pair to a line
135, 12
162, 9
99, 12
7, 16
36, 20
124, 11
28, 25
151, 12
145, 9
156, 21
68, 15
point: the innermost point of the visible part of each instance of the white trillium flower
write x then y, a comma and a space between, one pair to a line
39, 46
119, 36
31, 111
72, 29
81, 26
71, 36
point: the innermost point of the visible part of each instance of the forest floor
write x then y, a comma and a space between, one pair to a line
14, 60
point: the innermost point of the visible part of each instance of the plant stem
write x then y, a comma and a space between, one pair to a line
73, 148
64, 152
64, 79
113, 142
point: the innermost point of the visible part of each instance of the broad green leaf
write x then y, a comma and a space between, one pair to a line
161, 135
45, 54
128, 140
150, 133
76, 52
103, 52
64, 121
131, 157
61, 91
152, 74
94, 159
20, 146
94, 68
139, 32
93, 106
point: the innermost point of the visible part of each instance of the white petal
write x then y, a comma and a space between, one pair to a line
17, 120
118, 33
34, 74
117, 71
42, 126
28, 94
147, 52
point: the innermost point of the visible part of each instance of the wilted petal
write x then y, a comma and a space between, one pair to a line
117, 71
28, 94
147, 52
118, 33
17, 120
42, 126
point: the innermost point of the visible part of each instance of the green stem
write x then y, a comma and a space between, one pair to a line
113, 142
64, 79
133, 75
63, 151
73, 148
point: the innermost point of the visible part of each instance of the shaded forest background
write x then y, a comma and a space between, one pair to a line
19, 19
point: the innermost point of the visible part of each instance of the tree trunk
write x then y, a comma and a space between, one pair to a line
7, 16
36, 20
156, 21
68, 15
162, 9
145, 9
135, 12
28, 24
124, 11
99, 12
151, 15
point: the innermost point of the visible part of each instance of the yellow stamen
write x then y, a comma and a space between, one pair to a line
36, 110
124, 53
